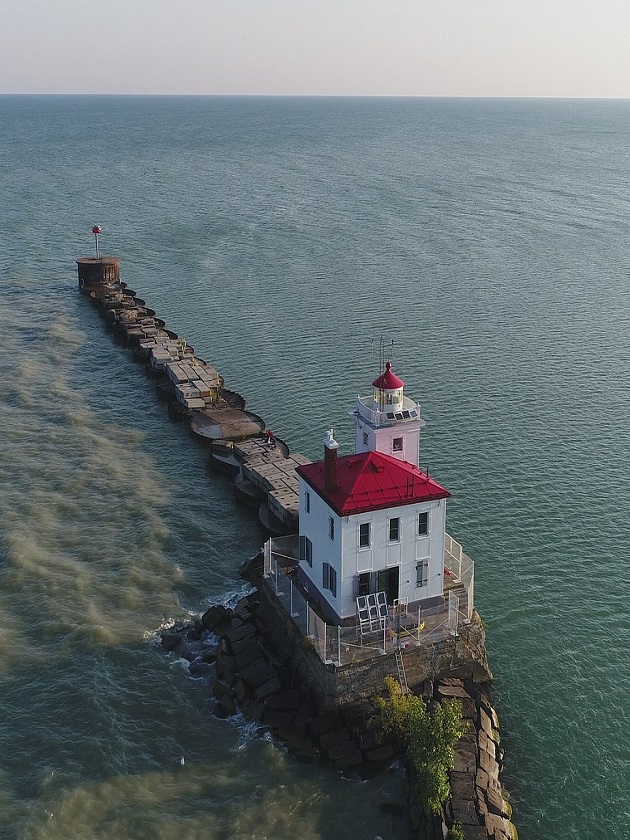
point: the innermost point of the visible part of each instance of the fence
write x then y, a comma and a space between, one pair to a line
344, 644
462, 567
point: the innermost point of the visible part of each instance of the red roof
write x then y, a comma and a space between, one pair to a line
388, 381
372, 481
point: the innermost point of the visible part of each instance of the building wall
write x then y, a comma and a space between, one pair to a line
382, 439
349, 560
405, 553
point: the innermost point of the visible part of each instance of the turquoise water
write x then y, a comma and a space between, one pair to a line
283, 238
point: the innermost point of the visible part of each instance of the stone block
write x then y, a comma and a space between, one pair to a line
253, 709
338, 751
475, 832
246, 656
214, 617
351, 758
487, 744
277, 719
499, 827
383, 753
497, 804
465, 759
266, 689
327, 722
285, 701
332, 739
485, 723
258, 672
170, 641
304, 715
489, 764
463, 786
465, 812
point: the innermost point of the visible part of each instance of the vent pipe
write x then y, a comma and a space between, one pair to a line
330, 462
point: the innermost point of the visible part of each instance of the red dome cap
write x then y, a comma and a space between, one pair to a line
388, 381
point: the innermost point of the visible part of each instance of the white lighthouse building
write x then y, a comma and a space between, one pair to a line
373, 521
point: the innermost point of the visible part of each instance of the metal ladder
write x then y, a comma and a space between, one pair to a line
402, 676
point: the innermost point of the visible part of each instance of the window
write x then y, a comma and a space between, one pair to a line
331, 528
364, 583
394, 530
397, 445
308, 502
329, 579
364, 535
365, 438
422, 573
423, 524
306, 551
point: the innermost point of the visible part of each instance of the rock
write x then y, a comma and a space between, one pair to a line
485, 724
266, 689
475, 832
170, 641
332, 739
285, 701
199, 668
214, 617
465, 812
497, 804
246, 656
304, 715
277, 719
489, 764
383, 753
370, 740
340, 750
499, 827
351, 758
487, 744
394, 808
327, 722
225, 663
253, 709
226, 707
463, 786
257, 673
415, 817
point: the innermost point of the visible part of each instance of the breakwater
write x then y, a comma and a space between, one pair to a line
257, 676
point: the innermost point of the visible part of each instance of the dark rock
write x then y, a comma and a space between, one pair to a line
226, 707
240, 691
351, 758
247, 655
258, 672
199, 668
170, 640
355, 713
193, 635
394, 808
296, 736
209, 656
384, 753
285, 701
252, 709
214, 617
225, 663
475, 832
304, 715
266, 689
332, 739
325, 723
277, 719
338, 751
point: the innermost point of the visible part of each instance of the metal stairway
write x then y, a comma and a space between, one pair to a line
402, 676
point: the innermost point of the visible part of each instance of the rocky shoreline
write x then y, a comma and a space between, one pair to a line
248, 674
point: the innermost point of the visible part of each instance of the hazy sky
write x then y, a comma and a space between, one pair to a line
352, 47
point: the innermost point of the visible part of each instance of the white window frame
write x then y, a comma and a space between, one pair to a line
331, 528
368, 544
425, 514
395, 539
398, 444
422, 573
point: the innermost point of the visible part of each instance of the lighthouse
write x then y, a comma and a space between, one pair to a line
372, 522
387, 421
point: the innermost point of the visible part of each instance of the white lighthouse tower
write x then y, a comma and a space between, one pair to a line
387, 421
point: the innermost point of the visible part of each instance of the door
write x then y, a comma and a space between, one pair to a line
388, 581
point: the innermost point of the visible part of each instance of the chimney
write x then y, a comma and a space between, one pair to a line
330, 462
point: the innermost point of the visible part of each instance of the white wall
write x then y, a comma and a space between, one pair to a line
381, 439
349, 560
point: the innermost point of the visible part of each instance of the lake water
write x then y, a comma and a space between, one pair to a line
283, 237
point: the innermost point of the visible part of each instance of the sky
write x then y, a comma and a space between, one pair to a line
555, 48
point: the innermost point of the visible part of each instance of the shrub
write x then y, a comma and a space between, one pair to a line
428, 737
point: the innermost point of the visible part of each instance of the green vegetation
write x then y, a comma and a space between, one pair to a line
428, 737
456, 832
